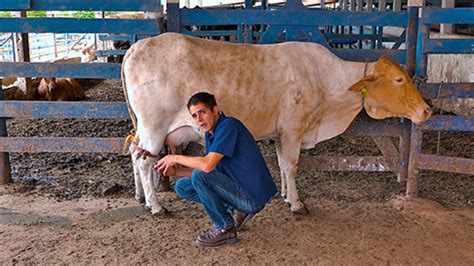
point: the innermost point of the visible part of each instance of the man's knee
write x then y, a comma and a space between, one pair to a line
183, 187
199, 178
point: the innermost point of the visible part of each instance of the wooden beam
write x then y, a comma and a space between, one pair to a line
5, 172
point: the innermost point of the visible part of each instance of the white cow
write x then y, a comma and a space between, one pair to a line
296, 93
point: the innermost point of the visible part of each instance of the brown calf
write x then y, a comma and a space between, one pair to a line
60, 89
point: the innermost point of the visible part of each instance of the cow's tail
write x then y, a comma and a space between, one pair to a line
132, 136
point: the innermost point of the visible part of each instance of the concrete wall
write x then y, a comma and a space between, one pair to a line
452, 68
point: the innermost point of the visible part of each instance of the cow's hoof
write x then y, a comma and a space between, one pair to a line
162, 212
301, 211
140, 199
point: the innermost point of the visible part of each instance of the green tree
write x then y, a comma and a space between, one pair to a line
84, 14
36, 14
4, 14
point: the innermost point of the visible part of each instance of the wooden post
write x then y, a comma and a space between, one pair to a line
397, 5
5, 172
382, 5
23, 55
447, 28
413, 171
418, 3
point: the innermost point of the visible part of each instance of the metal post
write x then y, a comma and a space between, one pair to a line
404, 148
447, 28
5, 172
415, 150
173, 24
361, 28
411, 40
423, 57
248, 4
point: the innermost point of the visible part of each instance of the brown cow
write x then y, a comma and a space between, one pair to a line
60, 89
296, 93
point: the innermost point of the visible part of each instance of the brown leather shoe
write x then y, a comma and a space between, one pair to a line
215, 237
240, 219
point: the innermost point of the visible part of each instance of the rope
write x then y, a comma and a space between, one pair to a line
131, 138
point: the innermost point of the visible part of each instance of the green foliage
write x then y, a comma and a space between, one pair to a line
36, 14
84, 14
4, 14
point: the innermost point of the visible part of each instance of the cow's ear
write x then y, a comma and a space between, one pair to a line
364, 83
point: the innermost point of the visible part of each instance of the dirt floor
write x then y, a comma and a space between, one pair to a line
79, 209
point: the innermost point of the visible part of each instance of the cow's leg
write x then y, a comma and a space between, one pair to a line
288, 156
139, 195
145, 167
282, 173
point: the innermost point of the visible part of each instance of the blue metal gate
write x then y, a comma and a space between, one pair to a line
427, 45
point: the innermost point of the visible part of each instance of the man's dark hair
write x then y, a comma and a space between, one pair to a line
202, 97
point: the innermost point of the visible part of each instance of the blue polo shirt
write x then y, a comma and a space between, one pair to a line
242, 159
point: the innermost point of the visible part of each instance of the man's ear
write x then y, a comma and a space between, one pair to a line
215, 110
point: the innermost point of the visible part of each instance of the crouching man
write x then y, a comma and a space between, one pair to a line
231, 181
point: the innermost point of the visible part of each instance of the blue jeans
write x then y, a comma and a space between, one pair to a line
219, 195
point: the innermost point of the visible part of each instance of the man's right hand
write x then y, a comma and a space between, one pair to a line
170, 171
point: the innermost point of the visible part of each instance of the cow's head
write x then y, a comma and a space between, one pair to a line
47, 88
389, 92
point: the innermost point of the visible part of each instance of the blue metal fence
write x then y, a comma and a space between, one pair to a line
88, 110
426, 46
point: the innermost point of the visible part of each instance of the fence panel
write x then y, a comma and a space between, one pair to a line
55, 110
419, 161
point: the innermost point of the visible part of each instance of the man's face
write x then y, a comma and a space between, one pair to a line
204, 117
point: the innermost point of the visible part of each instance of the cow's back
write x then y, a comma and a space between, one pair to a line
250, 82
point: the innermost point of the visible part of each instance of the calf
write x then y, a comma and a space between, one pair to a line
61, 89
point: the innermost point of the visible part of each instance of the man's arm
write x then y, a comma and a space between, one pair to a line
203, 163
181, 171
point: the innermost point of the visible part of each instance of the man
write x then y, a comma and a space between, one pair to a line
231, 181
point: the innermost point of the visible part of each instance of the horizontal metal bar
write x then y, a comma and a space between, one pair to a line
446, 90
61, 145
61, 70
375, 128
364, 55
448, 46
449, 123
210, 33
42, 109
344, 163
110, 52
448, 15
348, 37
90, 5
15, 5
103, 37
76, 25
446, 164
303, 17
